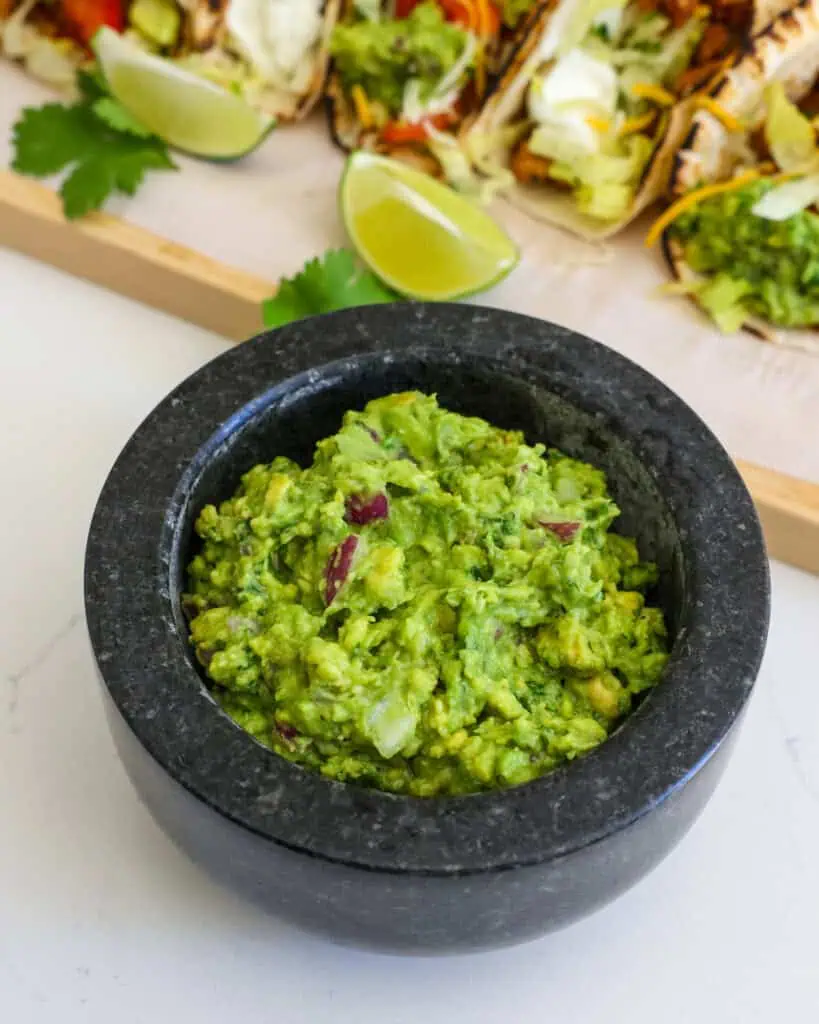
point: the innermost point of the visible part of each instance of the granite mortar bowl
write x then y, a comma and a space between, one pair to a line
395, 873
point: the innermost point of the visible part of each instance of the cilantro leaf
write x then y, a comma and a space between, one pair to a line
117, 117
50, 138
335, 281
103, 149
91, 83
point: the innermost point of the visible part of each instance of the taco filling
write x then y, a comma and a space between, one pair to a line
403, 82
269, 51
754, 248
598, 104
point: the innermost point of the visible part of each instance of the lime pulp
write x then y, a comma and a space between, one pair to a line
186, 111
419, 236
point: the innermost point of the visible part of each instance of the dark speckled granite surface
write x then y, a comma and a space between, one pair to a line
367, 867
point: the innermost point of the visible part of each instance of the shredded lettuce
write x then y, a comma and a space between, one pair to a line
788, 198
582, 19
158, 20
789, 134
604, 183
722, 298
465, 171
221, 69
647, 50
370, 10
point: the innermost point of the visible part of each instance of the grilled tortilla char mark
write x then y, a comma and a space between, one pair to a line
716, 42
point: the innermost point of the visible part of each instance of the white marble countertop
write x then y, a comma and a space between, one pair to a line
102, 920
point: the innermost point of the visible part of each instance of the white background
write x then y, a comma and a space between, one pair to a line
102, 920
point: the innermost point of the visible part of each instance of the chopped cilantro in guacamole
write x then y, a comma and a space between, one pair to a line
383, 56
753, 266
432, 607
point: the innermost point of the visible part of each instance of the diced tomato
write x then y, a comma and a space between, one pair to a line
398, 132
493, 20
82, 18
459, 12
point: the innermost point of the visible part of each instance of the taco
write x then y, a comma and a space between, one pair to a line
407, 75
589, 112
743, 235
273, 52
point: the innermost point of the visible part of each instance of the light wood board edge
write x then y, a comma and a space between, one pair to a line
130, 260
168, 276
789, 511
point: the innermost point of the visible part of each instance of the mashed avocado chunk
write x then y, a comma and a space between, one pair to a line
432, 607
384, 56
753, 265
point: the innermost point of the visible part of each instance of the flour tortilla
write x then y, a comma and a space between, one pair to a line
551, 204
788, 51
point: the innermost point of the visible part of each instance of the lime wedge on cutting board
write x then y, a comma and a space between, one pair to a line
420, 237
184, 110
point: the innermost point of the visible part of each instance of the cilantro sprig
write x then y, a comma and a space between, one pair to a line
101, 146
334, 281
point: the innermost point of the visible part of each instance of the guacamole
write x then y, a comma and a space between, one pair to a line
384, 56
754, 266
432, 607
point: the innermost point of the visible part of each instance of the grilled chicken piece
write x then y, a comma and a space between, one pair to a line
415, 156
205, 25
679, 11
528, 167
736, 14
715, 43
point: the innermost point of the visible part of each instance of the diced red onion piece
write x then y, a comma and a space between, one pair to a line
338, 567
361, 510
564, 530
286, 731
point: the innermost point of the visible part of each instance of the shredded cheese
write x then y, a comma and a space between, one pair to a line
362, 106
702, 11
728, 121
723, 66
480, 72
631, 125
654, 93
692, 199
482, 18
474, 14
600, 124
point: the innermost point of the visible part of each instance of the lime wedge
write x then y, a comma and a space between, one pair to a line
421, 238
184, 110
